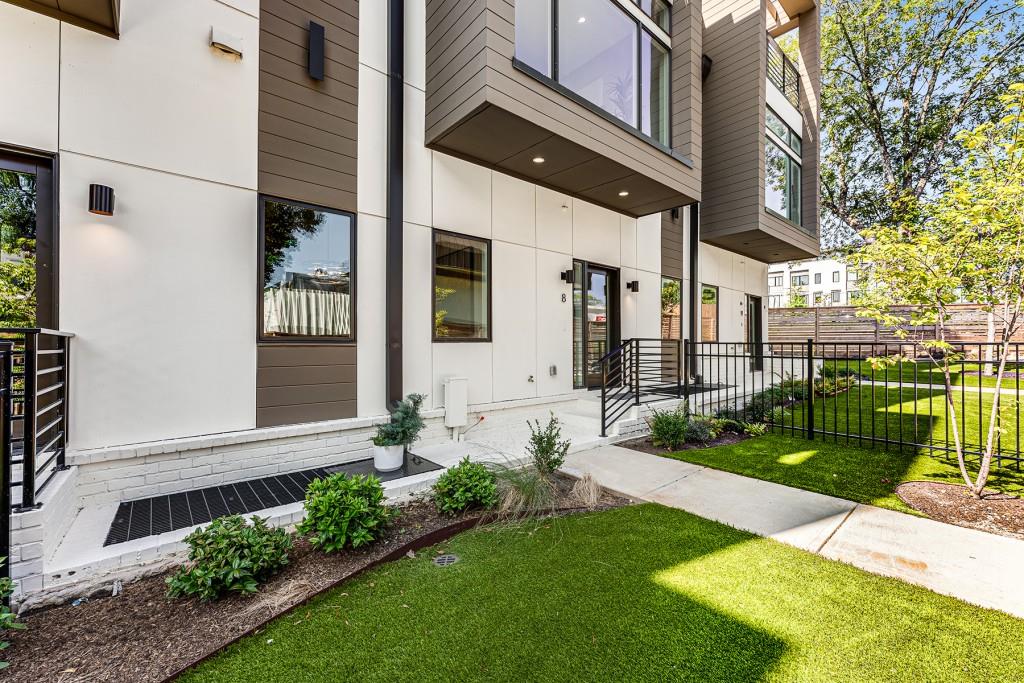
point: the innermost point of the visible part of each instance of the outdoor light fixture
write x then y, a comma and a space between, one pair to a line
101, 200
624, 193
568, 276
581, 20
538, 160
633, 285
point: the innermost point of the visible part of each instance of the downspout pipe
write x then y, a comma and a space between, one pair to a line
395, 206
695, 287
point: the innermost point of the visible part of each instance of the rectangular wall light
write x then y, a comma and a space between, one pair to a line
315, 59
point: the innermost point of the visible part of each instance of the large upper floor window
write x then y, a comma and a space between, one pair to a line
783, 172
599, 51
306, 271
462, 292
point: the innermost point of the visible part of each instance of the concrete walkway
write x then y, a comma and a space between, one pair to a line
975, 566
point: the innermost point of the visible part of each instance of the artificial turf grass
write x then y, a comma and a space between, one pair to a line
839, 469
640, 593
926, 372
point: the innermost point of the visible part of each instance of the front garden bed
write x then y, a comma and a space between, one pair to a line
995, 512
646, 444
142, 635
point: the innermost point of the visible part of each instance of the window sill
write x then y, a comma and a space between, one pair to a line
590, 106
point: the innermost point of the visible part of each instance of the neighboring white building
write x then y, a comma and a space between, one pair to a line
314, 218
812, 282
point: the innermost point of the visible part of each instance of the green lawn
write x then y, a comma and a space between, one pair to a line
842, 470
926, 372
641, 593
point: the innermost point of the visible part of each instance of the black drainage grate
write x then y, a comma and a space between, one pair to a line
150, 516
446, 560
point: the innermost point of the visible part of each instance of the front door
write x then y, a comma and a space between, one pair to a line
28, 280
595, 329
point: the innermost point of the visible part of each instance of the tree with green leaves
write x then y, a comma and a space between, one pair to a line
899, 81
968, 241
17, 249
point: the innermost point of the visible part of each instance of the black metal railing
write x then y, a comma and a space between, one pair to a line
639, 371
35, 411
783, 73
835, 391
6, 382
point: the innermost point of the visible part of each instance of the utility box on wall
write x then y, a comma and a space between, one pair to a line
456, 402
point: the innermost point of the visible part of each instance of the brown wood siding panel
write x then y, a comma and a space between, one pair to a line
298, 383
673, 262
307, 128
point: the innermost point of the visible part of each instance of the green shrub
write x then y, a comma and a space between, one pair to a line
701, 430
8, 620
727, 424
344, 511
406, 423
465, 486
230, 555
755, 429
547, 451
668, 427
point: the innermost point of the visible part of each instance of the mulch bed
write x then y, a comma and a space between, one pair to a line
997, 513
645, 445
142, 635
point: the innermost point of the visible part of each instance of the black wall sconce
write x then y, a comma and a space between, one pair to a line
633, 286
568, 276
101, 200
315, 59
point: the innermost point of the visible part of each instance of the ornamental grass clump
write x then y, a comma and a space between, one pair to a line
343, 510
466, 486
230, 555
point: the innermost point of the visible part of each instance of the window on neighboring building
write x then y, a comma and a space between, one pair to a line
603, 54
851, 276
837, 297
709, 313
462, 304
671, 308
306, 270
799, 280
835, 276
783, 172
774, 280
817, 278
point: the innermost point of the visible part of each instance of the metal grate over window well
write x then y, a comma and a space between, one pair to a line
151, 516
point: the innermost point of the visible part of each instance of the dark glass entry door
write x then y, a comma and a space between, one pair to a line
595, 329
28, 280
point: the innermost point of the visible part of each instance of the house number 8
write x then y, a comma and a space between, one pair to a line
563, 298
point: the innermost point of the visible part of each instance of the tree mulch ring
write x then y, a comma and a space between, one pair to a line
142, 635
645, 445
997, 513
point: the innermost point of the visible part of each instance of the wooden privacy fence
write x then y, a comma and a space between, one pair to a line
968, 324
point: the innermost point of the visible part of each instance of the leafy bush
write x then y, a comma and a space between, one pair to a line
702, 430
755, 429
344, 511
668, 427
465, 486
730, 425
230, 555
547, 451
8, 620
831, 386
406, 423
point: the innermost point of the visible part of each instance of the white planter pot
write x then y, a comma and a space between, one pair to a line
388, 458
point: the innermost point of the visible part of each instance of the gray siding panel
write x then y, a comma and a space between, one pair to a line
298, 383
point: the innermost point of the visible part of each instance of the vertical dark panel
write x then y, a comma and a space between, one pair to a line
395, 207
315, 62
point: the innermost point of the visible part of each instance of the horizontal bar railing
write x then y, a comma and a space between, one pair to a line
783, 73
35, 411
6, 390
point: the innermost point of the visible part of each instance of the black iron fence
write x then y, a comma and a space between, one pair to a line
886, 395
35, 411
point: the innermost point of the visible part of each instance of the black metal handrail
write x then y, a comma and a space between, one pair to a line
637, 371
35, 411
783, 73
6, 371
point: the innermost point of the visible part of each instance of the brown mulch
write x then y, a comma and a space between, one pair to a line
997, 513
645, 445
142, 635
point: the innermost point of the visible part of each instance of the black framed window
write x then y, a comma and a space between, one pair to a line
783, 172
708, 313
307, 272
835, 276
599, 52
462, 288
671, 308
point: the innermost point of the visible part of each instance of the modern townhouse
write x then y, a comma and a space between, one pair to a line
811, 282
259, 222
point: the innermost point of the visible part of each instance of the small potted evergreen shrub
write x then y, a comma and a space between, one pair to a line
395, 436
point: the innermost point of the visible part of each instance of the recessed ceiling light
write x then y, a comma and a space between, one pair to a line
624, 193
538, 160
581, 20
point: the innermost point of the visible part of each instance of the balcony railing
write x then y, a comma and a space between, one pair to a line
34, 393
782, 73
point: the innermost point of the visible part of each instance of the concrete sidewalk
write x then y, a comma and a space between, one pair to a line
971, 565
